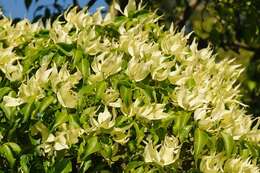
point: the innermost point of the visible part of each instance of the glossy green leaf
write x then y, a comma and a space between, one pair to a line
4, 91
101, 87
93, 146
39, 127
46, 102
126, 95
23, 162
15, 147
228, 143
27, 110
60, 117
63, 166
85, 166
6, 152
180, 120
200, 141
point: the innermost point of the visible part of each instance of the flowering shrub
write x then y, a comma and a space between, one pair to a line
118, 94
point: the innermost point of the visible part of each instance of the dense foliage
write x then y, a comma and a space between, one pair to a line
231, 26
118, 94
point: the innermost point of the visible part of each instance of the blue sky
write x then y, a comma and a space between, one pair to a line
16, 8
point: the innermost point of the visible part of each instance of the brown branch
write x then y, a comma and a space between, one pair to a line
91, 3
75, 3
247, 47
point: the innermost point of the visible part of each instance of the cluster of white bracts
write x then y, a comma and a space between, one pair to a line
203, 86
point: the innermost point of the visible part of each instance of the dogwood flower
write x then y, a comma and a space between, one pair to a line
152, 111
169, 151
7, 64
175, 44
111, 98
105, 120
62, 83
212, 163
33, 89
121, 135
63, 139
239, 165
107, 64
236, 123
160, 68
138, 70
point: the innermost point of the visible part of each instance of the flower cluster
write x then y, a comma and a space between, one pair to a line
97, 93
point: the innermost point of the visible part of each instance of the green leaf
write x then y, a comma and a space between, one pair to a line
27, 110
8, 111
254, 150
85, 166
63, 166
139, 133
180, 120
101, 88
140, 170
15, 147
133, 164
23, 162
45, 103
60, 117
4, 91
39, 127
126, 94
228, 142
85, 68
92, 146
77, 55
200, 140
106, 150
6, 152
184, 133
65, 48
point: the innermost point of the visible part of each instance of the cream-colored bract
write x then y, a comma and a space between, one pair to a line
153, 79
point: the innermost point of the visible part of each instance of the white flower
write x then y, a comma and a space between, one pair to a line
106, 66
7, 64
160, 67
11, 102
121, 135
238, 165
66, 136
168, 153
105, 120
175, 44
236, 123
138, 70
212, 163
200, 113
62, 83
66, 96
152, 111
112, 64
111, 98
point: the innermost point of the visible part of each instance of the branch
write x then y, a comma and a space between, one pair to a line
247, 47
91, 3
75, 3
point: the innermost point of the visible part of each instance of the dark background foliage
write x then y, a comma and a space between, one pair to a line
232, 26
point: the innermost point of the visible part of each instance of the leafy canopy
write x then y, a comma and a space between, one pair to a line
118, 94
